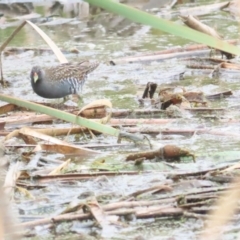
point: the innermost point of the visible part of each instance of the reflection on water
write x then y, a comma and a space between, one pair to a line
16, 8
70, 9
74, 8
75, 21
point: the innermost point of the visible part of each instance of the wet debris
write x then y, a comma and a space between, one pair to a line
168, 153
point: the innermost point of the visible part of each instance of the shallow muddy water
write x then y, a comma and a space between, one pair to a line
104, 36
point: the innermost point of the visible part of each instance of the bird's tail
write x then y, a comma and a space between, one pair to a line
88, 66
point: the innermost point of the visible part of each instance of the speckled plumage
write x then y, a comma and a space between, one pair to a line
61, 80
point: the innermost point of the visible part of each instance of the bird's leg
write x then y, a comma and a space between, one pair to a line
76, 98
65, 99
80, 101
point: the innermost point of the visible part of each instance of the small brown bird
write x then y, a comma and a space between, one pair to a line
61, 80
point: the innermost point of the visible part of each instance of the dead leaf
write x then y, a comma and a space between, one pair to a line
80, 151
51, 44
58, 169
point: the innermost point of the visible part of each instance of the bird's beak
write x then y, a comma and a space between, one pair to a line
35, 77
